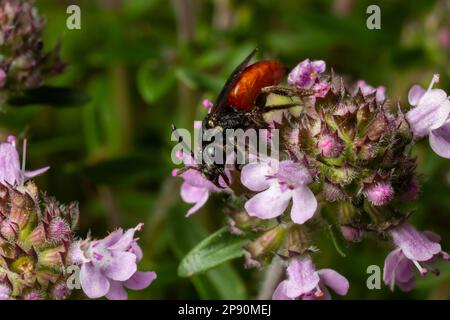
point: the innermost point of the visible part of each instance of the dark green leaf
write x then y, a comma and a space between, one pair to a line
52, 96
219, 247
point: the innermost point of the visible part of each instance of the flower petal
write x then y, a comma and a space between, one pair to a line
405, 271
304, 204
31, 174
280, 292
122, 266
415, 93
191, 193
127, 239
93, 282
414, 244
254, 176
390, 266
440, 140
195, 178
334, 280
303, 277
140, 280
319, 66
407, 285
112, 238
431, 113
116, 291
268, 204
9, 164
201, 202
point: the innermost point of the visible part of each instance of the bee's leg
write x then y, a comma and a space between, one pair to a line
288, 91
279, 107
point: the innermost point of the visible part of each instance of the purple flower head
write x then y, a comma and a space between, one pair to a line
110, 264
414, 250
10, 166
430, 116
278, 183
367, 89
306, 73
195, 188
380, 193
305, 282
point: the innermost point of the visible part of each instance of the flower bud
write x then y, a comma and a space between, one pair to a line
261, 250
9, 229
59, 230
380, 193
34, 295
52, 257
240, 222
60, 291
330, 146
297, 240
352, 234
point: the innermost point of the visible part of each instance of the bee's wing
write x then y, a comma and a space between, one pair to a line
223, 95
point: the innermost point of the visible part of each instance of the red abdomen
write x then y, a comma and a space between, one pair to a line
255, 77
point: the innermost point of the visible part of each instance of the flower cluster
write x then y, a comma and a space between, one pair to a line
348, 148
23, 64
37, 243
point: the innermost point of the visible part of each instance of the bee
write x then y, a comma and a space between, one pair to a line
240, 105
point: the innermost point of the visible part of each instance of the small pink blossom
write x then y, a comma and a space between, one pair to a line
308, 284
10, 166
306, 73
430, 116
414, 250
278, 183
110, 264
195, 188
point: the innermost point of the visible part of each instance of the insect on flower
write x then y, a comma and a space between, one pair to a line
240, 105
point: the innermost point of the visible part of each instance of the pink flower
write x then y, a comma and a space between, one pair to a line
413, 248
367, 89
306, 73
306, 283
195, 188
10, 166
430, 116
110, 264
278, 183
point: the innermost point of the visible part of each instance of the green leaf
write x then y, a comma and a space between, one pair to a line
330, 227
336, 239
222, 282
52, 96
199, 80
218, 248
152, 85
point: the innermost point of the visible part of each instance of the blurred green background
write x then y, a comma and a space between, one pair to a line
148, 63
